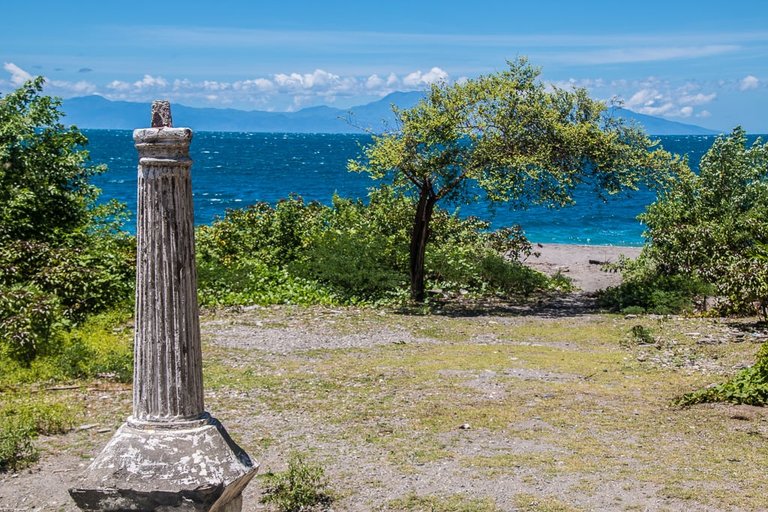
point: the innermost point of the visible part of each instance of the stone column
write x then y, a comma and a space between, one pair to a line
170, 454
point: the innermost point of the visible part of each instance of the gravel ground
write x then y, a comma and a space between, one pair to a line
363, 473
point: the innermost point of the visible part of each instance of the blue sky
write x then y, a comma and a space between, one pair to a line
701, 62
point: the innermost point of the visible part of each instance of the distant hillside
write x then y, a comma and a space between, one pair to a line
659, 126
98, 112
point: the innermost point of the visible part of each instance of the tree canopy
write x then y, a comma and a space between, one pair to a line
44, 188
713, 225
61, 257
513, 138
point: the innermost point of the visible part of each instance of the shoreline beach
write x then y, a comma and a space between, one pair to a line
582, 263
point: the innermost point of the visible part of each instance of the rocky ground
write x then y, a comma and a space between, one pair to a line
546, 406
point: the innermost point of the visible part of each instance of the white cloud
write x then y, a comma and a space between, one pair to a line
257, 84
417, 79
697, 99
18, 75
749, 82
75, 88
375, 82
151, 82
274, 92
660, 98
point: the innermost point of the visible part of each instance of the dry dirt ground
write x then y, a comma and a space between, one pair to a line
549, 406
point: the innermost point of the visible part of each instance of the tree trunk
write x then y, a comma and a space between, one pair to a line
419, 238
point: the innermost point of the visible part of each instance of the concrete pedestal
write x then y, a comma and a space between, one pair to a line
192, 467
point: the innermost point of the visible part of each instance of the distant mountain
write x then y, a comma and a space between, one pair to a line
99, 112
659, 126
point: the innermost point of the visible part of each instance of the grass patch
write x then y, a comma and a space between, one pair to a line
531, 503
432, 503
302, 487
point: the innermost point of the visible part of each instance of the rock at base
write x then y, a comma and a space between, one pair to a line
150, 468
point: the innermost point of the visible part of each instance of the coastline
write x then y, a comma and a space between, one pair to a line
582, 263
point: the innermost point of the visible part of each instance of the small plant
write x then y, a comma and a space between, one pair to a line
21, 420
301, 488
16, 448
642, 335
749, 386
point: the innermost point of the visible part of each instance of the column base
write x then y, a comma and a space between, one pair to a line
187, 466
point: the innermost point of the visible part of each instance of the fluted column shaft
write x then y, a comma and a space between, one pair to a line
168, 375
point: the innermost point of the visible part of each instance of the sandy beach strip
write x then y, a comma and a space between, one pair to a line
582, 263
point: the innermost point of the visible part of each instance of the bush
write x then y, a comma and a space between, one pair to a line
100, 347
22, 419
29, 319
354, 266
62, 256
16, 447
711, 226
352, 252
301, 488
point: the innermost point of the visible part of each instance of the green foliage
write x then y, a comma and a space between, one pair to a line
301, 488
712, 226
749, 386
352, 252
513, 137
101, 347
28, 320
22, 419
16, 447
62, 257
44, 189
645, 290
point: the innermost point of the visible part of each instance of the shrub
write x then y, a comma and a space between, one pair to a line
62, 256
647, 290
22, 419
352, 252
711, 226
749, 386
16, 447
301, 488
28, 320
100, 347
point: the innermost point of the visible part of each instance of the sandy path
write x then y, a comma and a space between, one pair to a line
582, 263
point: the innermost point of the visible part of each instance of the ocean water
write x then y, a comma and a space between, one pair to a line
233, 170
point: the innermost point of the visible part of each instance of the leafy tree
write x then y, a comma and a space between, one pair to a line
44, 189
713, 226
61, 256
511, 137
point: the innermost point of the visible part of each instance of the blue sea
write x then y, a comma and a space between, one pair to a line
233, 170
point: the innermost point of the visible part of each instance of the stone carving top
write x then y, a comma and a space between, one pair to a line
161, 114
162, 143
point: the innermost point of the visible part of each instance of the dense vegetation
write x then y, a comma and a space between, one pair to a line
353, 252
62, 259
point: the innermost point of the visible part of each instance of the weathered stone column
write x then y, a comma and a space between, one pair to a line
170, 454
